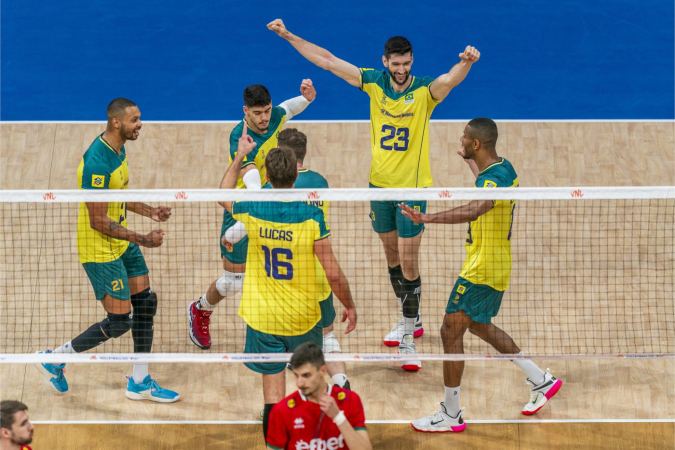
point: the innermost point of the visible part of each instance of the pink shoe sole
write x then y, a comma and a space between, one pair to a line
416, 334
551, 392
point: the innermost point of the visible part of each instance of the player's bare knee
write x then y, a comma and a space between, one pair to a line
230, 284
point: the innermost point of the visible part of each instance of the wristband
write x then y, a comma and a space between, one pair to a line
340, 418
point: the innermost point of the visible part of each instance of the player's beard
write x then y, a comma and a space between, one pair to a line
393, 78
128, 134
24, 441
468, 153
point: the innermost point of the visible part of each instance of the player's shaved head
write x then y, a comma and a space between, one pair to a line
257, 95
295, 140
282, 168
397, 45
118, 107
308, 353
483, 130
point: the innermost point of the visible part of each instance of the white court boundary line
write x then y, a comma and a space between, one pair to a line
57, 358
214, 195
258, 422
196, 122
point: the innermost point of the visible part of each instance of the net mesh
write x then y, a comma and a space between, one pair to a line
591, 275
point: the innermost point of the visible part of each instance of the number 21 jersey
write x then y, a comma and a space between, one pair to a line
399, 131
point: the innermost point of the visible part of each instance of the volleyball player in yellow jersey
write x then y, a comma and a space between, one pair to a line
477, 295
282, 292
111, 257
263, 122
400, 108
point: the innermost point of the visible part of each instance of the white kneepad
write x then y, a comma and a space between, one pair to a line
331, 344
230, 284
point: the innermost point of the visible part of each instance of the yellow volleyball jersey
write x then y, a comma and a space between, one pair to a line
399, 131
264, 143
308, 179
281, 288
488, 242
101, 168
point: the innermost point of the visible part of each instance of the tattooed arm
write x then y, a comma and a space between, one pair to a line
99, 221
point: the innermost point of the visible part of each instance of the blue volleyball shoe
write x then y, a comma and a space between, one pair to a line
53, 374
150, 390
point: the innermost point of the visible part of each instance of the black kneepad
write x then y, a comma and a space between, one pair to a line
115, 325
144, 303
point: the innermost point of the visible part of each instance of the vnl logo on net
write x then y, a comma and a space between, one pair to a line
49, 196
313, 195
577, 193
181, 195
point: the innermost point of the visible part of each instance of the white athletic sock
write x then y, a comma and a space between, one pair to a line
409, 326
204, 305
533, 372
339, 379
66, 348
140, 372
452, 401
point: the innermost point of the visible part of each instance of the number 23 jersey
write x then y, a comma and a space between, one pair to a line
399, 131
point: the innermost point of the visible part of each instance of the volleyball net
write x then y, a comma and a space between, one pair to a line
592, 271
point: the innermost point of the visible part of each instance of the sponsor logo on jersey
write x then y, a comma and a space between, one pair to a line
299, 423
490, 184
341, 396
291, 403
333, 443
410, 98
98, 181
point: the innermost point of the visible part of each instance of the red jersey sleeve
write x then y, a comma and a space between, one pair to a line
277, 434
354, 412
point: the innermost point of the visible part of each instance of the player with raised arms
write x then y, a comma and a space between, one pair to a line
282, 293
477, 294
400, 109
111, 257
262, 122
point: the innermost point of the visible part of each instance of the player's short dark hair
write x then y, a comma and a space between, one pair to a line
256, 95
118, 107
485, 130
306, 353
7, 410
398, 45
282, 167
295, 140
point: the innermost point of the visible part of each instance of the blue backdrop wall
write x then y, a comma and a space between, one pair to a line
191, 60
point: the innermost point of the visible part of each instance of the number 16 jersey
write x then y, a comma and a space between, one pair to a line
281, 289
399, 131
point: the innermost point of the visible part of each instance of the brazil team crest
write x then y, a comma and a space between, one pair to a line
410, 98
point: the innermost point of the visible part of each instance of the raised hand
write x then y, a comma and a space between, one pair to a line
246, 144
160, 214
328, 405
470, 54
278, 27
307, 90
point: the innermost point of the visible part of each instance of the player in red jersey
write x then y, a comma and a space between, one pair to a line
16, 431
317, 415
